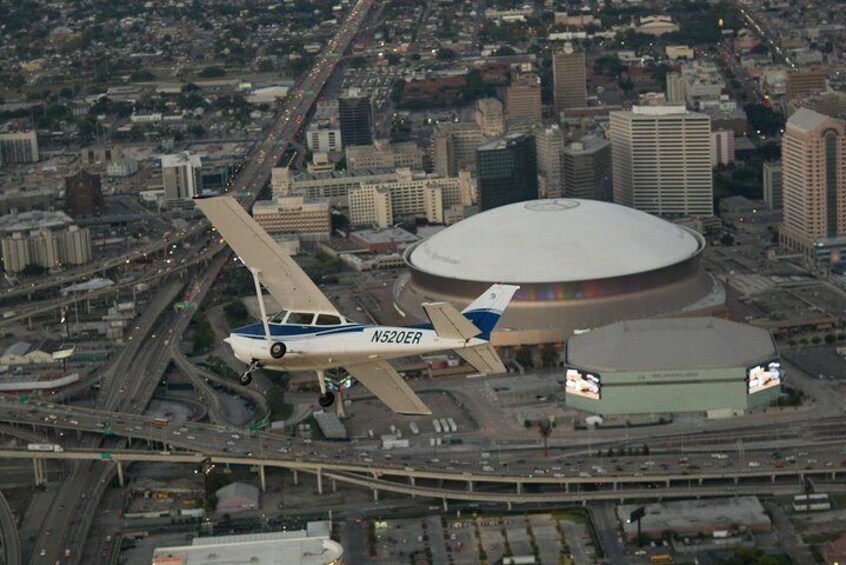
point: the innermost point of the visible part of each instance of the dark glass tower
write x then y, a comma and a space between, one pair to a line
356, 116
508, 171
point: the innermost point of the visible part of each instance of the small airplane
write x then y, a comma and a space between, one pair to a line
310, 334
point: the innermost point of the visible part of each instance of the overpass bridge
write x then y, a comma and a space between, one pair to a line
483, 487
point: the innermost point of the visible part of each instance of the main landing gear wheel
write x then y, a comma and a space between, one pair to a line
278, 350
326, 400
246, 378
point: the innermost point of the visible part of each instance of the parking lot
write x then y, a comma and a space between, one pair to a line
550, 538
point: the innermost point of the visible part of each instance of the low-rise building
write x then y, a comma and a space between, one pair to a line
309, 546
383, 154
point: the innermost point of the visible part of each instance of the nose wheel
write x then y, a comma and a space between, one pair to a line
247, 377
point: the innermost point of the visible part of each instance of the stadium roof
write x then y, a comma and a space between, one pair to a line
681, 343
554, 241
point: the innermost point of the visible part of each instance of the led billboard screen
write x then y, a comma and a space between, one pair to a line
763, 376
582, 384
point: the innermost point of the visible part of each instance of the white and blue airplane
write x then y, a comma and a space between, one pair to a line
310, 334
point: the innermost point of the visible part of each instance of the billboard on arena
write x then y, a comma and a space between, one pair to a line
582, 383
763, 376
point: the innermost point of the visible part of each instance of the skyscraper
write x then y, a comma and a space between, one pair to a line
489, 116
586, 169
549, 142
181, 176
662, 160
356, 117
523, 100
813, 157
508, 171
569, 80
83, 195
773, 185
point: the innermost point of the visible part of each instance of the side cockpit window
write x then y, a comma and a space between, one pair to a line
327, 320
300, 318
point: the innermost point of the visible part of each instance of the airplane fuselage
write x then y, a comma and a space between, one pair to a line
318, 348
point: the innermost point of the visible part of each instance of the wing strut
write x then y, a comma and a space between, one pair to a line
262, 309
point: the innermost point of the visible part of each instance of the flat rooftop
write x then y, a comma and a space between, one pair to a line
693, 516
311, 546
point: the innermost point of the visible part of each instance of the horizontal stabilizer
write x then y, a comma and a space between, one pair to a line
448, 322
483, 358
383, 380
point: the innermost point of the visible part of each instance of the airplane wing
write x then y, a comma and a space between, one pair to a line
448, 322
483, 358
383, 380
278, 272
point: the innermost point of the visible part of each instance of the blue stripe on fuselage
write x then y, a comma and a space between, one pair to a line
286, 330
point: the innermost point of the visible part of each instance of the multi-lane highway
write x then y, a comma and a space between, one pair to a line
133, 376
185, 442
11, 540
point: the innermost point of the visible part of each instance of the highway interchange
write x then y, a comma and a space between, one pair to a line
516, 474
130, 378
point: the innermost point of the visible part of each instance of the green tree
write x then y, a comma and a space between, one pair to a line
212, 72
445, 54
142, 75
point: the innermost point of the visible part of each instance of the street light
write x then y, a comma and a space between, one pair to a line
545, 429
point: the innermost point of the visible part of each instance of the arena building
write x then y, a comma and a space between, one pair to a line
580, 264
672, 365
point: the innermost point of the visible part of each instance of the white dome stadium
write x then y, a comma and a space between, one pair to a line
580, 264
552, 241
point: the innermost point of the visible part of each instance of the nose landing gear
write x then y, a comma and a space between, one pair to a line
247, 377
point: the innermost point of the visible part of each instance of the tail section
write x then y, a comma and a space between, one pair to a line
485, 311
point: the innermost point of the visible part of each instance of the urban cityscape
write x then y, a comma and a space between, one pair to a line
423, 282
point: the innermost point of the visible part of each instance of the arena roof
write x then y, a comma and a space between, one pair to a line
680, 343
561, 240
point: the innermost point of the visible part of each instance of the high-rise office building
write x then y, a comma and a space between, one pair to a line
523, 101
675, 90
83, 195
586, 169
569, 80
722, 147
75, 246
18, 146
16, 256
490, 117
181, 176
45, 247
507, 170
453, 147
772, 185
549, 142
813, 157
662, 160
356, 116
